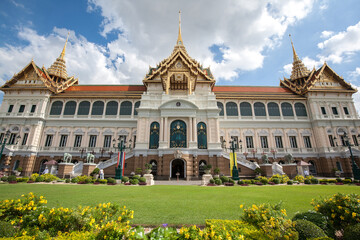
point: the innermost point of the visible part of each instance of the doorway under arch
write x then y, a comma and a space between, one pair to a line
178, 166
312, 168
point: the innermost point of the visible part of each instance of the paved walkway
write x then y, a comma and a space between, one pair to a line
180, 182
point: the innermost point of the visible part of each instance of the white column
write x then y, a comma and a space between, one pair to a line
161, 129
190, 129
166, 131
194, 129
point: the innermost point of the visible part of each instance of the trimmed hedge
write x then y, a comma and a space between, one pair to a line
308, 230
352, 232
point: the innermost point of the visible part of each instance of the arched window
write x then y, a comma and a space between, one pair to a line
286, 109
84, 108
42, 166
245, 109
136, 106
154, 135
221, 107
16, 164
178, 134
202, 165
154, 167
126, 108
202, 137
259, 109
273, 109
70, 108
56, 108
97, 108
111, 108
231, 109
300, 110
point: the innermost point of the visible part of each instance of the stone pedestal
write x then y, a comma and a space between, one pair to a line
65, 169
7, 168
149, 179
88, 168
290, 169
266, 169
206, 179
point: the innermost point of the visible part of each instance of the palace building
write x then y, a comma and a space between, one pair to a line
178, 120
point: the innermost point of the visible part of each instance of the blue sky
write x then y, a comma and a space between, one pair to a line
244, 42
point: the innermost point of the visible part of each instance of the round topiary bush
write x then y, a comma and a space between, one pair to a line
136, 177
276, 180
264, 181
142, 179
308, 230
218, 181
240, 182
231, 181
212, 181
39, 179
75, 180
111, 180
134, 181
4, 179
125, 179
307, 181
352, 232
224, 179
314, 181
317, 218
6, 229
290, 182
67, 180
12, 178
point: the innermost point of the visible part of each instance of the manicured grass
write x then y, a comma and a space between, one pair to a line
154, 205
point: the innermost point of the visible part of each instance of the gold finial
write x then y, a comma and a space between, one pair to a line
179, 40
62, 55
293, 48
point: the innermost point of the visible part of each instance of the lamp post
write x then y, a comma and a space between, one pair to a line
4, 143
355, 168
235, 171
121, 147
82, 152
102, 152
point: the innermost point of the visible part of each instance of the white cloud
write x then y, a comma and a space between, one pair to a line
326, 34
146, 31
342, 45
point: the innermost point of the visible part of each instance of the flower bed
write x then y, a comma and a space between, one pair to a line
229, 184
142, 183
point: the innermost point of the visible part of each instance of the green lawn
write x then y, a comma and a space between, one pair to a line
178, 205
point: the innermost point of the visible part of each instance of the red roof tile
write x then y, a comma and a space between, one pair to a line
108, 88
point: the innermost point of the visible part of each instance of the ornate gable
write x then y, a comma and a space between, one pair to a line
179, 71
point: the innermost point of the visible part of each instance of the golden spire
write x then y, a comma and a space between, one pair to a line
298, 69
62, 55
179, 40
58, 68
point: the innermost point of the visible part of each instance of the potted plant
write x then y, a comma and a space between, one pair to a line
138, 171
148, 168
207, 169
18, 171
216, 172
95, 173
258, 171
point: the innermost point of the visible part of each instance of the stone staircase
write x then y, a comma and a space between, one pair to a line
242, 161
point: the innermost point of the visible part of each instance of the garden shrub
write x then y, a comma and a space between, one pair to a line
215, 178
308, 230
125, 179
339, 180
75, 180
212, 181
136, 177
33, 177
247, 181
142, 179
113, 230
314, 181
67, 180
240, 182
317, 218
324, 180
6, 229
111, 180
218, 181
95, 171
224, 179
264, 180
299, 178
276, 180
103, 181
332, 180
23, 179
282, 178
163, 233
307, 181
40, 179
347, 181
12, 178
271, 219
227, 229
352, 232
341, 210
192, 232
290, 182
134, 181
4, 179
231, 181
49, 177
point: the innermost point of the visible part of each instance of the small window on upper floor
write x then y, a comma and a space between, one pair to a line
334, 110
10, 108
346, 111
21, 108
33, 108
323, 110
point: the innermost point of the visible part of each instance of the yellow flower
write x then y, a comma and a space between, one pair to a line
241, 206
342, 218
339, 207
12, 222
353, 214
187, 235
333, 215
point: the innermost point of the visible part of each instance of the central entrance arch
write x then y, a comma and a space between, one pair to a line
178, 166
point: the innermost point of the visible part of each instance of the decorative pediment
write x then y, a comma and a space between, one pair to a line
123, 132
178, 104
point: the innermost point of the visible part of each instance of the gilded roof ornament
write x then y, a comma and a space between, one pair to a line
179, 39
298, 69
58, 68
